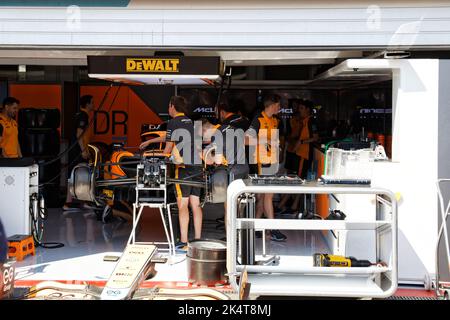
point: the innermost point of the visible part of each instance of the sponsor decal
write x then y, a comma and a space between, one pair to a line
286, 113
204, 110
6, 279
153, 65
153, 127
113, 292
113, 122
287, 110
367, 110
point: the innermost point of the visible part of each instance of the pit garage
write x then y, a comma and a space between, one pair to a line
371, 201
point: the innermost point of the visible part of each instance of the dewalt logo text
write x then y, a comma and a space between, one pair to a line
152, 65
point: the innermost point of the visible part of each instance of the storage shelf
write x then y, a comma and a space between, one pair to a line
315, 270
290, 278
300, 224
315, 285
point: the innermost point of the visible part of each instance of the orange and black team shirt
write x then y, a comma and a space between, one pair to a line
82, 121
237, 153
301, 129
237, 122
221, 150
264, 127
184, 147
10, 137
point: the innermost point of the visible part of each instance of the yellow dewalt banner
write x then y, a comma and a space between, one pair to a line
102, 66
153, 65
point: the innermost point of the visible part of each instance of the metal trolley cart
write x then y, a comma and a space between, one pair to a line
151, 192
291, 279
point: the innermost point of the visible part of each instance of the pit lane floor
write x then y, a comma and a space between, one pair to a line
86, 242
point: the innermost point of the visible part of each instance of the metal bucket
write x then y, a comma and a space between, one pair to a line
206, 261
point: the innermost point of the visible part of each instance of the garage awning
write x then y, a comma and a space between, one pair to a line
159, 70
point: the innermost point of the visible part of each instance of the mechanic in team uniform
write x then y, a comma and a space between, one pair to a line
81, 137
229, 116
234, 127
231, 151
308, 135
9, 134
180, 144
303, 147
266, 156
303, 131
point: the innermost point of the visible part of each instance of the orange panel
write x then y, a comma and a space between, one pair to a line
139, 114
117, 99
48, 96
126, 108
37, 95
322, 202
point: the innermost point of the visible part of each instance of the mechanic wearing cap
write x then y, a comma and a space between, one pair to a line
9, 134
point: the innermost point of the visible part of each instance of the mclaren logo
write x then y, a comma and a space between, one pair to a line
152, 65
287, 110
204, 109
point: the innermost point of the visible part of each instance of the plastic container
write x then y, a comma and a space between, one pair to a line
350, 164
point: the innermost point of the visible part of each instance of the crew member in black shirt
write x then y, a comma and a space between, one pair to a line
230, 151
81, 137
228, 116
180, 144
233, 128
